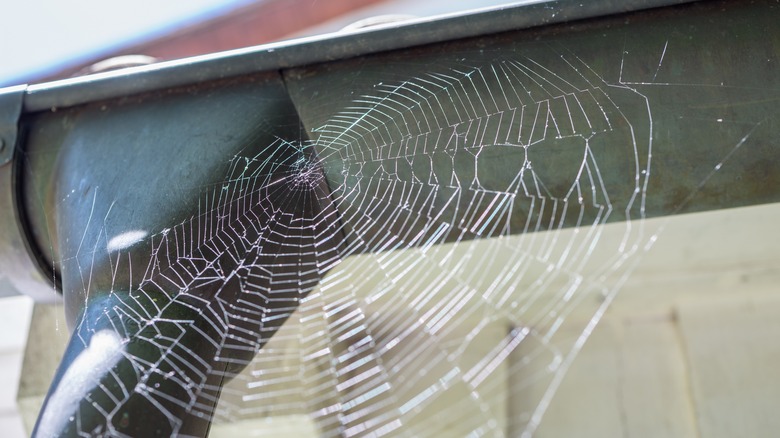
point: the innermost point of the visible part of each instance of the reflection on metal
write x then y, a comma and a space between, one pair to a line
118, 62
125, 170
381, 20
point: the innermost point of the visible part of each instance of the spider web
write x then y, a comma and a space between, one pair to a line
455, 278
422, 294
427, 262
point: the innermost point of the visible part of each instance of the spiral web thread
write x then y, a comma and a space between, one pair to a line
441, 284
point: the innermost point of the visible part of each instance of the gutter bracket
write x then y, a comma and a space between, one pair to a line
11, 105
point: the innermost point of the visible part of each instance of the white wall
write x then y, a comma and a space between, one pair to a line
14, 322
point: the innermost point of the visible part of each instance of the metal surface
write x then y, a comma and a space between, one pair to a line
18, 268
144, 197
140, 165
703, 127
324, 48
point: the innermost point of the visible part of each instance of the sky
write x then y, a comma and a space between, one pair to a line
39, 35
